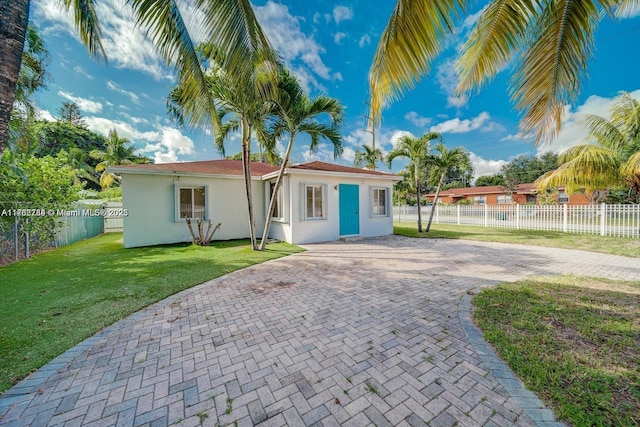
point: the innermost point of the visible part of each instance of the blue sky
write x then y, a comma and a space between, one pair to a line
329, 46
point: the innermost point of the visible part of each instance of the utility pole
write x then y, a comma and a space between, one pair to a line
372, 131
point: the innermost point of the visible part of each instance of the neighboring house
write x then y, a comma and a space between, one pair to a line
498, 195
317, 202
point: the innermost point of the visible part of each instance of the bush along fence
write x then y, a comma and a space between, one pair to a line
602, 219
19, 241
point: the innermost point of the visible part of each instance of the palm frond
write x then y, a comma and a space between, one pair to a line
549, 72
584, 166
87, 25
318, 131
499, 33
413, 37
630, 170
606, 133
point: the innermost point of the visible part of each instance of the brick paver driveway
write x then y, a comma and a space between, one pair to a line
351, 333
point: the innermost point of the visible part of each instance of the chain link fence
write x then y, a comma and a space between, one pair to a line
22, 233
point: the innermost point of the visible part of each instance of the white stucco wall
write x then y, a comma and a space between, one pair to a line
150, 201
299, 231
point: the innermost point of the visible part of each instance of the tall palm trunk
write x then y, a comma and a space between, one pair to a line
13, 28
276, 188
416, 172
435, 200
246, 170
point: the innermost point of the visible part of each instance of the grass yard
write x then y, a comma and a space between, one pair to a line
57, 299
573, 341
586, 242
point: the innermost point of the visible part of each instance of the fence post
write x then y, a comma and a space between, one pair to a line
603, 219
458, 214
565, 219
518, 216
16, 236
486, 215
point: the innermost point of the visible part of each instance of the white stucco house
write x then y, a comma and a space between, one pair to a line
318, 201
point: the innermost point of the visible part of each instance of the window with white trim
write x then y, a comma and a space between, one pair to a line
505, 199
314, 202
563, 197
278, 212
192, 202
479, 200
379, 202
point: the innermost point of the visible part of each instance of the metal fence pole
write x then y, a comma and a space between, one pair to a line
518, 217
16, 235
565, 219
603, 220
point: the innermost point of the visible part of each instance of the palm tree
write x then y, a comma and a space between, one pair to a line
368, 157
441, 163
295, 113
417, 151
240, 102
76, 159
117, 152
230, 24
613, 160
549, 41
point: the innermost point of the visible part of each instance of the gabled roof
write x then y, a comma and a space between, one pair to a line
207, 167
490, 189
332, 167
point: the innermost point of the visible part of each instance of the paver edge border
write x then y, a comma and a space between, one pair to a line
529, 401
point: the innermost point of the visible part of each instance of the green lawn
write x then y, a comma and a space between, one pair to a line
56, 299
586, 242
573, 341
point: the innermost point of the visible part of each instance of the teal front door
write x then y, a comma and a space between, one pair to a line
349, 209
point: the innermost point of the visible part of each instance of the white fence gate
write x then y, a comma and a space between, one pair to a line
605, 220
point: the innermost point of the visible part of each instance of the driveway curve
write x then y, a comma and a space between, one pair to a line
355, 333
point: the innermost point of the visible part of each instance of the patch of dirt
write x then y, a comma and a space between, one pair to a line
270, 285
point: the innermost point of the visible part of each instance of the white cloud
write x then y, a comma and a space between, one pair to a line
573, 132
417, 119
103, 125
123, 41
447, 78
84, 104
342, 13
45, 115
337, 37
481, 122
483, 166
284, 33
78, 69
133, 119
165, 143
116, 88
397, 135
364, 40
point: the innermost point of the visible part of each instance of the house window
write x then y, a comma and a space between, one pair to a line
379, 202
505, 199
278, 211
192, 202
563, 197
479, 200
314, 202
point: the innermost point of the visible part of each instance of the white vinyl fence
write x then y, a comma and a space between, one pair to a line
603, 219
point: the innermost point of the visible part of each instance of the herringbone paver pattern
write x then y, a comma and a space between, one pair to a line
347, 334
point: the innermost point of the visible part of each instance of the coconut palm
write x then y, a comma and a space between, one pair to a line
368, 157
416, 150
230, 24
295, 113
118, 151
76, 159
240, 103
442, 161
612, 161
548, 41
